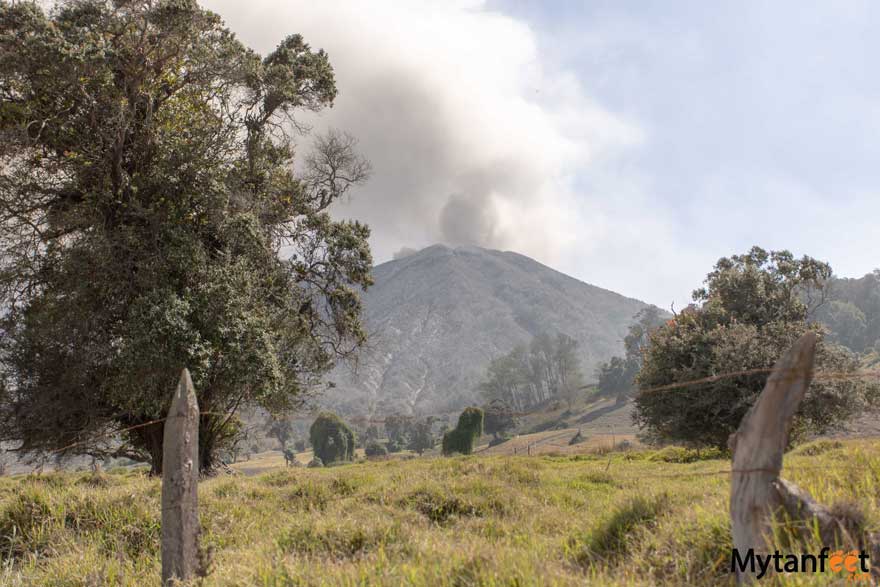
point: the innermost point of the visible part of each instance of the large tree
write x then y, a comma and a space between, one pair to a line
752, 308
151, 219
616, 378
528, 375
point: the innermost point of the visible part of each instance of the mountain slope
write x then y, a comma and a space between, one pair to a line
437, 317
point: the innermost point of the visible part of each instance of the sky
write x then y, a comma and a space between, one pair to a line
628, 144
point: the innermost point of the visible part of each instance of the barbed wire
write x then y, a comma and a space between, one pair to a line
819, 376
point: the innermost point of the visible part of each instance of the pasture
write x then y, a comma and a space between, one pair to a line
640, 517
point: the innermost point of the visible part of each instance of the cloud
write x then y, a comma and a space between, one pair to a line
473, 137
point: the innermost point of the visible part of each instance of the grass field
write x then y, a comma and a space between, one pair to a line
630, 518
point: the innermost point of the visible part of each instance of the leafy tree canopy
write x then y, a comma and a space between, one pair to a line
332, 439
528, 375
421, 437
463, 438
617, 376
853, 315
498, 418
752, 308
151, 219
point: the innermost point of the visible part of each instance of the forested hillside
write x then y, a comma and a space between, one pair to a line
852, 312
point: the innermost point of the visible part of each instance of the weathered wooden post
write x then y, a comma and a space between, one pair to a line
180, 477
758, 445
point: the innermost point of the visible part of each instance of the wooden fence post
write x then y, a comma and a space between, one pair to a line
180, 477
758, 445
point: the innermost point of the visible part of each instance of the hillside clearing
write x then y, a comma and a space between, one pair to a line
632, 519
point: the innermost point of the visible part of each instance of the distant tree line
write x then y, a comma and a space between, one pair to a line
852, 312
547, 368
616, 378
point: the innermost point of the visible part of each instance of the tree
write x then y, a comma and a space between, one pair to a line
371, 433
528, 375
282, 430
853, 314
617, 376
754, 306
374, 448
332, 439
463, 438
397, 428
150, 219
498, 418
421, 438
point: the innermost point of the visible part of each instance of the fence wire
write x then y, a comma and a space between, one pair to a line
819, 376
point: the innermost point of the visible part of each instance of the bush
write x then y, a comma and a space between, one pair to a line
496, 440
332, 439
498, 418
678, 454
745, 318
375, 449
394, 446
464, 437
421, 438
817, 448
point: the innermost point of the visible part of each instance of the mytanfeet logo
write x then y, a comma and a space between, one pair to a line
854, 564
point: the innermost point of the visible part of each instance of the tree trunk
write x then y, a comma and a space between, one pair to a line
150, 439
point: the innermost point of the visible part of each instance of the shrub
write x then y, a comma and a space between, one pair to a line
745, 318
464, 437
498, 418
496, 440
421, 438
817, 447
440, 506
375, 449
332, 439
678, 454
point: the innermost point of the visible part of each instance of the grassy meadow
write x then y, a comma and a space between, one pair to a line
622, 518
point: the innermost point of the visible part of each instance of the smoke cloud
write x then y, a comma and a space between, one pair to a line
473, 140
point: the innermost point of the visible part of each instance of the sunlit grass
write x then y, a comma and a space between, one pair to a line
613, 519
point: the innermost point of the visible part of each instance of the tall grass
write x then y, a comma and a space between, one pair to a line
617, 519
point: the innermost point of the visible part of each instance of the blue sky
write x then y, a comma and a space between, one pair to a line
629, 144
762, 118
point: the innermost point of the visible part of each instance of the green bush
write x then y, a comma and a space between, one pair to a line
679, 454
817, 447
375, 448
464, 437
332, 440
496, 440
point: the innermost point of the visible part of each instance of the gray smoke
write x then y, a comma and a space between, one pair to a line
404, 252
472, 140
